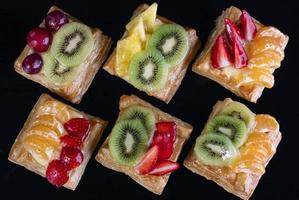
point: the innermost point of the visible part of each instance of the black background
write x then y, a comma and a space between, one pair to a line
192, 103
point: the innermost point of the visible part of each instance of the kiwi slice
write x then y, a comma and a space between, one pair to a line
231, 127
148, 71
215, 149
72, 43
128, 142
171, 41
239, 111
145, 115
56, 72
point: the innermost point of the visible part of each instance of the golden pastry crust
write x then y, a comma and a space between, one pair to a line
20, 156
74, 90
240, 184
176, 73
203, 67
154, 184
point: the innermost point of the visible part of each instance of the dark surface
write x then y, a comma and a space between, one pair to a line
192, 103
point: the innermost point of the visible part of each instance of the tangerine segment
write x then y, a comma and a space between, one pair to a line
269, 31
255, 75
265, 123
51, 122
249, 167
266, 59
44, 131
40, 148
59, 110
262, 44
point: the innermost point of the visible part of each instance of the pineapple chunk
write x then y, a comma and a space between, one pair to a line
138, 27
125, 50
148, 16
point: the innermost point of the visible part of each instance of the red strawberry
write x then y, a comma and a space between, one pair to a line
71, 157
57, 173
247, 26
168, 128
232, 31
71, 141
149, 160
240, 56
164, 167
78, 127
164, 137
220, 55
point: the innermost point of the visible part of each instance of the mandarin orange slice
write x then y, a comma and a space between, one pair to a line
45, 132
51, 122
55, 108
265, 123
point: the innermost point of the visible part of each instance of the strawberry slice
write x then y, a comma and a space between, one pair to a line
57, 173
240, 56
169, 128
71, 141
247, 26
232, 31
164, 167
78, 127
164, 137
149, 160
220, 55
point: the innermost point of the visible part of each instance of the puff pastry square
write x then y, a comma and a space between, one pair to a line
74, 90
175, 74
154, 184
249, 90
241, 184
20, 155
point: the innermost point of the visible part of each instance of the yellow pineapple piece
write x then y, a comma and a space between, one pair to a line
265, 123
125, 50
148, 17
138, 27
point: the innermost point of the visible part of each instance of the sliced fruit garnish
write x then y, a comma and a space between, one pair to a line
247, 26
56, 108
269, 59
164, 167
71, 157
125, 50
261, 44
164, 137
149, 160
51, 122
220, 55
239, 55
71, 141
148, 16
138, 27
232, 31
57, 173
45, 131
265, 123
78, 127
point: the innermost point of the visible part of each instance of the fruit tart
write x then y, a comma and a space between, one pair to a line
154, 53
144, 144
57, 141
234, 147
63, 54
242, 54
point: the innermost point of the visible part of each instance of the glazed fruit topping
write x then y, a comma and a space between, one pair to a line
71, 157
232, 31
39, 39
239, 55
247, 26
54, 20
164, 137
221, 55
32, 64
71, 141
164, 167
155, 160
57, 173
149, 160
78, 127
